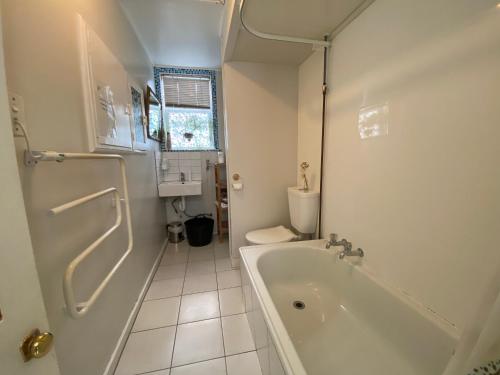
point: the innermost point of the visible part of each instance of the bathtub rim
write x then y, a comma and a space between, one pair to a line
287, 353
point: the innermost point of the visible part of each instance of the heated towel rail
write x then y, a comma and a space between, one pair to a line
79, 309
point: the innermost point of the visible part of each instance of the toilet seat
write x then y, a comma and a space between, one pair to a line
270, 235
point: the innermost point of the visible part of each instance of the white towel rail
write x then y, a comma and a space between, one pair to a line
79, 309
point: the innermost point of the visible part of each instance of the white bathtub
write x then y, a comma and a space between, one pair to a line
352, 323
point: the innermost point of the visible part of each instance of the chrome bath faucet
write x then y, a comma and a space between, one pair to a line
347, 252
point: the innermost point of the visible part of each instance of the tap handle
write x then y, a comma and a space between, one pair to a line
333, 237
348, 246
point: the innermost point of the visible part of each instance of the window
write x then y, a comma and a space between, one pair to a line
189, 111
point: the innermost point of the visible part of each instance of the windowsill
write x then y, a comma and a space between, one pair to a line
200, 150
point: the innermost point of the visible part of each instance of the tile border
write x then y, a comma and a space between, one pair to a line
158, 71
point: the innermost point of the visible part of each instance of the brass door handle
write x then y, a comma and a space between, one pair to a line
36, 345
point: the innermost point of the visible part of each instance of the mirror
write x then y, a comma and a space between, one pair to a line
154, 114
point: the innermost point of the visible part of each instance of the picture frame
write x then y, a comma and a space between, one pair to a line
154, 114
138, 117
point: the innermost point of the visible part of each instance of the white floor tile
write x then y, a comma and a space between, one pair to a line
165, 289
174, 258
223, 264
237, 334
224, 243
202, 248
198, 341
231, 301
147, 351
157, 313
243, 364
200, 268
178, 247
201, 283
222, 251
161, 372
170, 272
212, 367
228, 279
199, 306
200, 254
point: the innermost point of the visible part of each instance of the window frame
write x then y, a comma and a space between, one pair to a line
160, 71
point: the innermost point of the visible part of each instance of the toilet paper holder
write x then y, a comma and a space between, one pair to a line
237, 183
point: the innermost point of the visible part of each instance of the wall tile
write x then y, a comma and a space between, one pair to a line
172, 177
173, 163
172, 155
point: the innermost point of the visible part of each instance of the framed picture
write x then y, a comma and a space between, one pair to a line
154, 114
138, 117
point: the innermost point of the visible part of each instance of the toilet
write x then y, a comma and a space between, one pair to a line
303, 207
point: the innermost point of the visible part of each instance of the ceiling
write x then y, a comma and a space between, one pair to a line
307, 19
253, 49
300, 18
177, 32
187, 32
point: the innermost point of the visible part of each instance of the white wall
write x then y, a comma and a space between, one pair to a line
261, 144
423, 201
42, 65
309, 118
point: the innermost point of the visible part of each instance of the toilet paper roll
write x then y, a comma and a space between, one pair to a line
220, 157
237, 186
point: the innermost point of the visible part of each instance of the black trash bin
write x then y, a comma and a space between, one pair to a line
199, 230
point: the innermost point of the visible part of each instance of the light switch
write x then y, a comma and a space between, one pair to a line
16, 106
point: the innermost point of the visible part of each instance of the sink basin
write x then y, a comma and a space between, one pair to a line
179, 189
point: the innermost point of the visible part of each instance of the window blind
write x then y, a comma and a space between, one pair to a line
186, 92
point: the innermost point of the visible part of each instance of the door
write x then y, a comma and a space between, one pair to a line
261, 148
21, 302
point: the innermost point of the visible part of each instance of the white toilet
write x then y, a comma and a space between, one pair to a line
303, 206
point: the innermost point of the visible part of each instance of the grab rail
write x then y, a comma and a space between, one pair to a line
79, 309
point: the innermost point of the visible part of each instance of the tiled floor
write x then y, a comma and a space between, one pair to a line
192, 321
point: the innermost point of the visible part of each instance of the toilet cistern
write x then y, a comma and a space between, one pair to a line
303, 206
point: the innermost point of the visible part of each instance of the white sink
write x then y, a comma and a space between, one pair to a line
179, 189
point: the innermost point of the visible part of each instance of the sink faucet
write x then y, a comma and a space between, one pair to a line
347, 252
183, 177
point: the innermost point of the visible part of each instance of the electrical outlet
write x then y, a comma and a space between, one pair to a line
16, 107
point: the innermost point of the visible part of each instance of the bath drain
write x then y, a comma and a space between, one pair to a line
299, 305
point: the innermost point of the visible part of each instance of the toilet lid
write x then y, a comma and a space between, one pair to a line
270, 235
